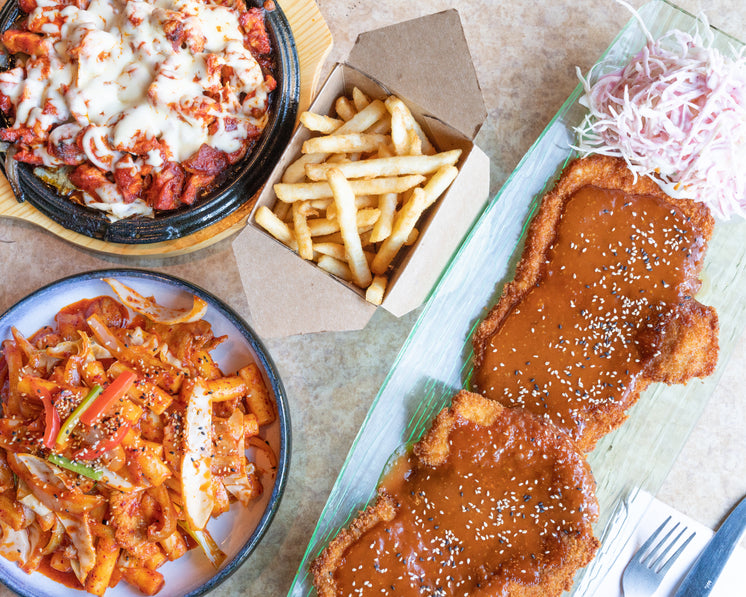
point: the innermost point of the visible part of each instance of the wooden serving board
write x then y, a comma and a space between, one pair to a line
313, 42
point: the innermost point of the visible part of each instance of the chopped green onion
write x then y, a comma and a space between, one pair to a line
72, 420
75, 467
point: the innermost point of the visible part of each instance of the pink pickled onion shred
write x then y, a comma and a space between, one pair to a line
676, 113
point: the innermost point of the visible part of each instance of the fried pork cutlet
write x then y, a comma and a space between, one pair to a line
601, 304
492, 501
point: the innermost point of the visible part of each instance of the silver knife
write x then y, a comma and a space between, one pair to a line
701, 578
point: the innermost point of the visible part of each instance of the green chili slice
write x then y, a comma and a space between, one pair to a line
72, 420
75, 467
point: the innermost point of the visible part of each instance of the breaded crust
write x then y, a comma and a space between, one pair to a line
563, 553
681, 346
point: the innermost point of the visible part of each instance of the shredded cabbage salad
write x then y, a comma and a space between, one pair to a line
676, 113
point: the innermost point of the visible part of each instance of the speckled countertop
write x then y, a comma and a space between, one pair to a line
525, 55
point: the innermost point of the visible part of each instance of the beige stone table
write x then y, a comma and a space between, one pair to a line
525, 55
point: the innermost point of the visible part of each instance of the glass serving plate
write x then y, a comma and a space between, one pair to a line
435, 361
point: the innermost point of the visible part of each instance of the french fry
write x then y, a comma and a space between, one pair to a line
393, 166
382, 127
414, 143
276, 227
334, 238
365, 234
359, 99
305, 191
281, 210
387, 205
344, 108
374, 292
344, 199
364, 119
337, 158
412, 238
335, 267
394, 103
363, 219
403, 224
296, 171
350, 142
320, 123
385, 150
398, 129
439, 182
301, 230
362, 202
336, 250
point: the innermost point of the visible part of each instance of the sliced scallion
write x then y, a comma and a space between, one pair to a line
75, 467
67, 427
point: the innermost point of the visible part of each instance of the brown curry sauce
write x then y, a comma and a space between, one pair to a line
499, 510
618, 265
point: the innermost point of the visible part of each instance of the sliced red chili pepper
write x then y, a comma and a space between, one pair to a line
51, 416
104, 445
115, 390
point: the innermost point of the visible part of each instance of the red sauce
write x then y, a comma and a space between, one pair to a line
72, 317
499, 509
66, 578
618, 265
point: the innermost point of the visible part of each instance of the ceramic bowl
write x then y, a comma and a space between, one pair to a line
237, 532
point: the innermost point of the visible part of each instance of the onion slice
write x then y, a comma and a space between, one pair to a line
154, 311
677, 114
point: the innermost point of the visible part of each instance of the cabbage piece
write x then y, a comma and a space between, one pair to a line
48, 483
79, 531
229, 459
14, 545
154, 311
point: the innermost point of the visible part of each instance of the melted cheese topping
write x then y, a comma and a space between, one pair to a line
111, 70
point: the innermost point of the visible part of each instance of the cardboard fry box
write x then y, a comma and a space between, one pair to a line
426, 63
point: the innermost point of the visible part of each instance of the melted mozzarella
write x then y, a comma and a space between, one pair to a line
114, 67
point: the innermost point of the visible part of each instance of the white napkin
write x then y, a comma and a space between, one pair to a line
605, 576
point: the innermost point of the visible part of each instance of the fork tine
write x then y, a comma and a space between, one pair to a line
642, 552
662, 547
677, 553
644, 572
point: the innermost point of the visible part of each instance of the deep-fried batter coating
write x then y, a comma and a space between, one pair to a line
601, 304
492, 501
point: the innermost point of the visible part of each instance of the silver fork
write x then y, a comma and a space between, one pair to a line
646, 569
